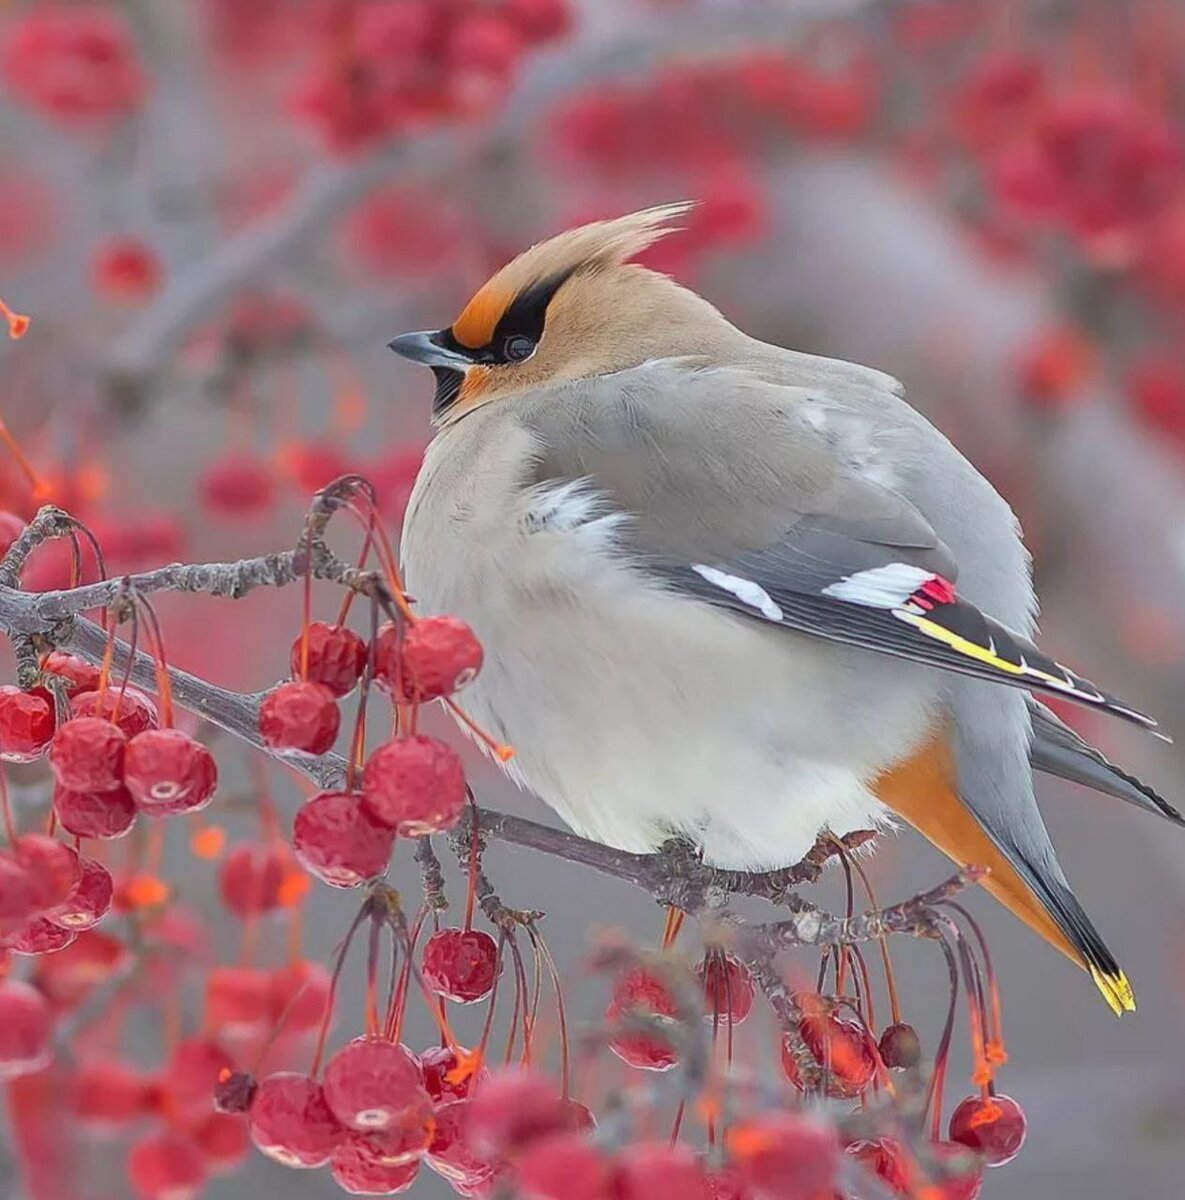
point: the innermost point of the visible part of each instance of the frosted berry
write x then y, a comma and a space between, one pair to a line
290, 1121
785, 1156
415, 785
130, 709
728, 988
224, 1141
451, 1152
513, 1108
900, 1046
89, 899
107, 814
26, 723
336, 657
994, 1126
78, 674
640, 991
252, 876
566, 1166
645, 1170
461, 964
108, 1094
842, 1053
166, 1166
52, 866
237, 485
301, 717
963, 1173
239, 1000
26, 1030
39, 936
299, 996
440, 656
373, 1084
361, 1167
438, 1064
337, 841
168, 772
191, 1075
86, 755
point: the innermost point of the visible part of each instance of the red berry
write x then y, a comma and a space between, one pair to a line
539, 20
239, 1000
362, 1166
52, 866
300, 996
461, 964
301, 717
251, 877
191, 1075
69, 976
314, 465
86, 755
995, 1126
885, 1159
168, 772
438, 1064
415, 785
237, 485
79, 675
26, 1030
108, 1094
26, 723
440, 656
639, 991
965, 1178
373, 1084
290, 1121
89, 899
842, 1051
515, 1107
336, 657
567, 1166
18, 892
646, 1170
450, 1152
785, 1156
125, 268
224, 1141
130, 709
900, 1046
166, 1166
336, 840
95, 814
728, 988
11, 528
234, 1092
39, 936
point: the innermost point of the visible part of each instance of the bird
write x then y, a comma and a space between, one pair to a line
737, 594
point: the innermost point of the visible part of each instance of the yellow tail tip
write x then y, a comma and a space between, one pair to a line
1116, 991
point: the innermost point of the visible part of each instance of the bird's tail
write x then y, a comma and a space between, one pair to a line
923, 793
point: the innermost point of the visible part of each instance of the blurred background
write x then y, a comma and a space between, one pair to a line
217, 212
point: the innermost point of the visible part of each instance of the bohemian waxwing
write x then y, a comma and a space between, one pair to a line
715, 583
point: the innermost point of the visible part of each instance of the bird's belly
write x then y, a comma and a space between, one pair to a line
638, 715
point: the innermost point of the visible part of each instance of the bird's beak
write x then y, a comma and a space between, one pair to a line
426, 348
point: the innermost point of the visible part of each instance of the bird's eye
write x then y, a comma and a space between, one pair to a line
518, 348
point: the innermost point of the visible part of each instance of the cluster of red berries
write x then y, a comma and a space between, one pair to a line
392, 66
72, 63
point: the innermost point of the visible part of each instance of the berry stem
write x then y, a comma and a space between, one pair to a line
6, 803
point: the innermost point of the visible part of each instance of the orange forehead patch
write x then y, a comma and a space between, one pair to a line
475, 326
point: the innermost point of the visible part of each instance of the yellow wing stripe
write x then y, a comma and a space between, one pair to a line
963, 645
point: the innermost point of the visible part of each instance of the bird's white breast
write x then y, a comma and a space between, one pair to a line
636, 713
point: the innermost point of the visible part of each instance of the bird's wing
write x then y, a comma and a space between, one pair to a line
739, 493
1057, 750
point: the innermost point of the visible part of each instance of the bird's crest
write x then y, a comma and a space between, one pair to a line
546, 264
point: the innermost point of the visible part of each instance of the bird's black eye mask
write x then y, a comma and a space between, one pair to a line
519, 329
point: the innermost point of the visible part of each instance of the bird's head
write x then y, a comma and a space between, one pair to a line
568, 308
